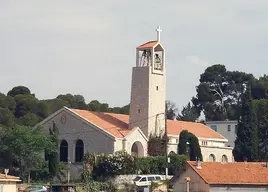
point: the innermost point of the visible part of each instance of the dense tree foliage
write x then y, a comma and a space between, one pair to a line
193, 150
25, 145
219, 92
188, 113
21, 107
171, 110
261, 108
157, 145
246, 143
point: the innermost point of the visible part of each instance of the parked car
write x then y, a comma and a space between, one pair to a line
36, 188
146, 180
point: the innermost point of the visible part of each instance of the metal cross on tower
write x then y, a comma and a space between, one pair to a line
158, 30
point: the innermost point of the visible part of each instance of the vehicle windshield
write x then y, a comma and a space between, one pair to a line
137, 178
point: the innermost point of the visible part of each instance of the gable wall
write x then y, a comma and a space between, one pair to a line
94, 140
196, 183
133, 137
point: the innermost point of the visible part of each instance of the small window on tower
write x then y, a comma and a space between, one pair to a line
156, 88
139, 110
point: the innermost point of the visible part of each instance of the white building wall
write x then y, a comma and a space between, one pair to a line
218, 153
8, 186
133, 137
94, 140
239, 189
226, 129
216, 147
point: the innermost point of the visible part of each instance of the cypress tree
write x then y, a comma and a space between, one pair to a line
53, 156
246, 143
195, 151
183, 139
194, 147
261, 107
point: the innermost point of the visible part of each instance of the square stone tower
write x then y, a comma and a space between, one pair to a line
148, 88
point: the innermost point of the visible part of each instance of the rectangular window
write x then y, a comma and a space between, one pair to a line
229, 128
214, 127
150, 178
235, 129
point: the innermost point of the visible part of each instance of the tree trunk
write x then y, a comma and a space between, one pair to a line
29, 177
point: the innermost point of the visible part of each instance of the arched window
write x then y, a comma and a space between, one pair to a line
64, 151
212, 158
79, 151
224, 159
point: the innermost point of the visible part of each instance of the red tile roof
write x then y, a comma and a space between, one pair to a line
149, 44
117, 125
254, 173
3, 176
198, 129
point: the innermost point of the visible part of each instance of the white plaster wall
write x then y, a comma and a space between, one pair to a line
9, 186
133, 137
217, 152
119, 145
212, 143
74, 129
213, 147
172, 147
239, 189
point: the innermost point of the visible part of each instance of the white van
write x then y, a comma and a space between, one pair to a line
145, 180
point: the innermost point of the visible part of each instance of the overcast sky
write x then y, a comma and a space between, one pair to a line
87, 47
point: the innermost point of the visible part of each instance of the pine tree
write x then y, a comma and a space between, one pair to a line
246, 143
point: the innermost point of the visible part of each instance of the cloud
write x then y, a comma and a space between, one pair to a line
195, 60
88, 47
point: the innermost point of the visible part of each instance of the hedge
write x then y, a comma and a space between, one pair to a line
103, 167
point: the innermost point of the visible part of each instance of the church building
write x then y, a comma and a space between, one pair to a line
84, 131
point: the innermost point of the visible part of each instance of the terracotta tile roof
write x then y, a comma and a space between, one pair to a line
149, 44
3, 176
198, 129
254, 173
117, 125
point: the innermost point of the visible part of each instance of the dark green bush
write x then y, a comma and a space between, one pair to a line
108, 166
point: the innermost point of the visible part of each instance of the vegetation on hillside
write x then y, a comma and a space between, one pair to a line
221, 95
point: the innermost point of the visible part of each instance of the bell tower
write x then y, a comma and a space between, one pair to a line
148, 88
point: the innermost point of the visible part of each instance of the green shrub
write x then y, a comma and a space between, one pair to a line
121, 163
106, 166
177, 163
